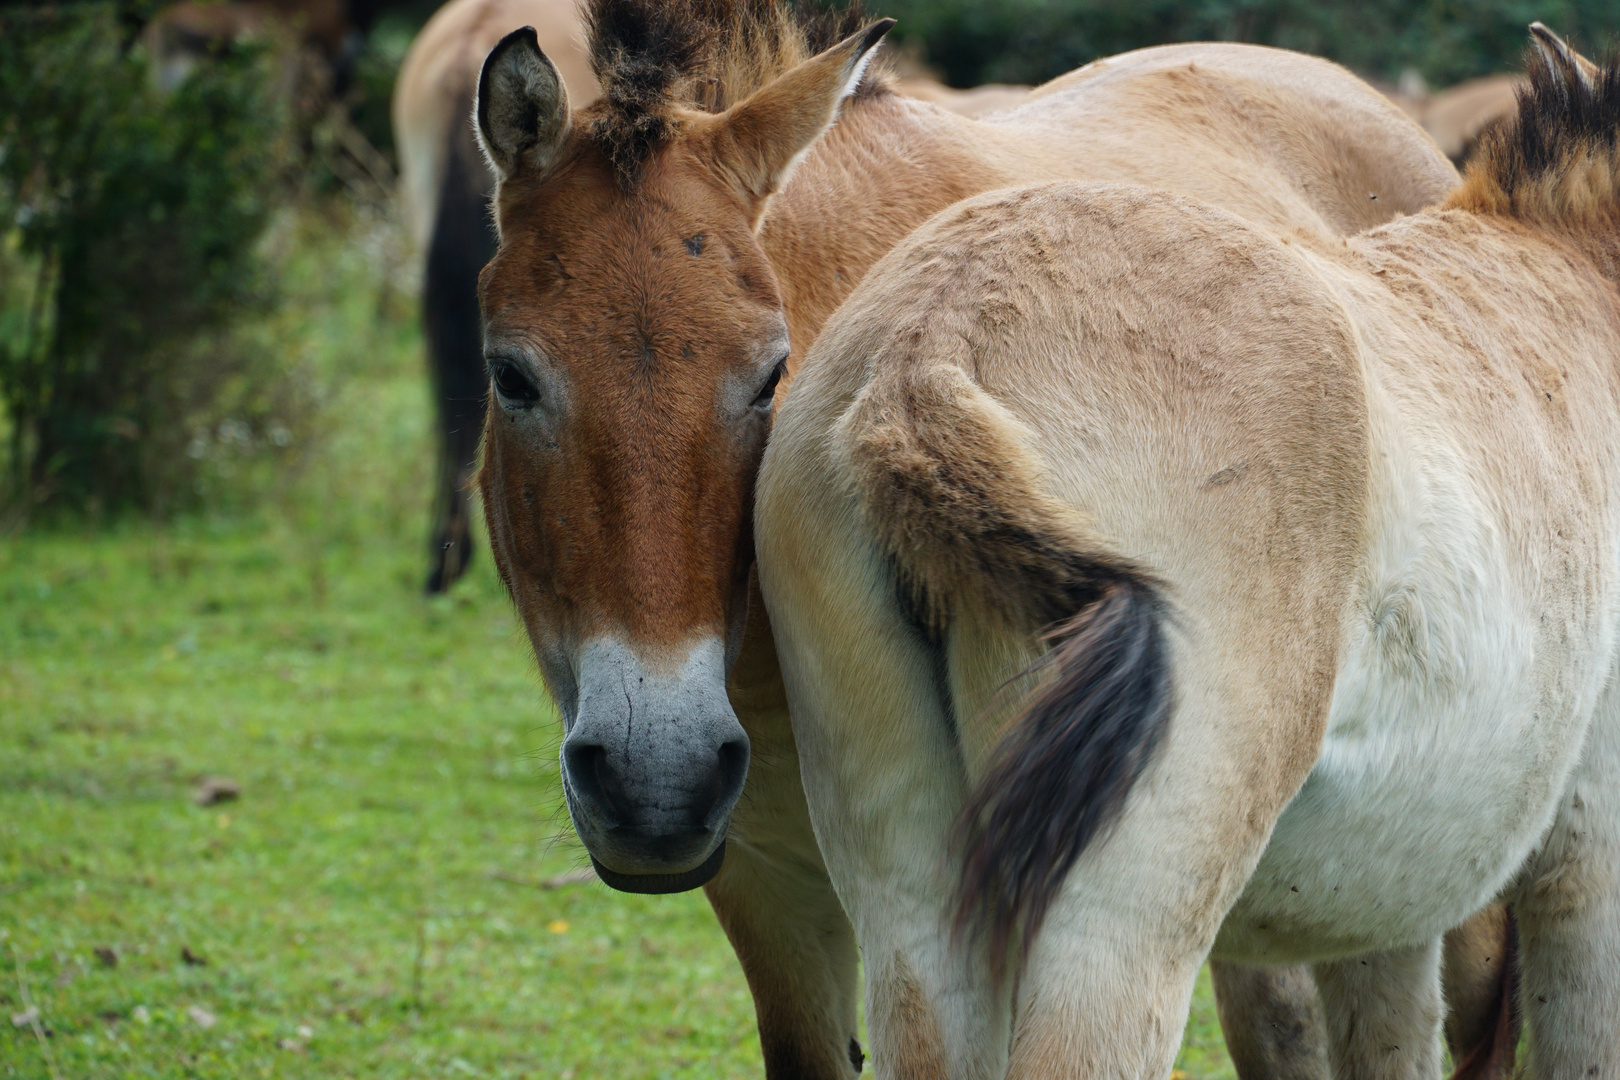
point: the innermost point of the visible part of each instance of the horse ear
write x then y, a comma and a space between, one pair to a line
758, 141
1562, 60
522, 107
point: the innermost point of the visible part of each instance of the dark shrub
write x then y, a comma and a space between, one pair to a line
129, 219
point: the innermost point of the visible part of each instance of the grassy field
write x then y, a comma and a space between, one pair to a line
372, 903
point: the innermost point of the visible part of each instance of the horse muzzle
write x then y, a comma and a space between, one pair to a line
653, 764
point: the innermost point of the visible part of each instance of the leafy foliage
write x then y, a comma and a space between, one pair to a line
975, 41
132, 216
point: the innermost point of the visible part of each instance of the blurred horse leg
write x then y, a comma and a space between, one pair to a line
463, 241
1272, 1020
1384, 1013
1480, 979
1271, 1017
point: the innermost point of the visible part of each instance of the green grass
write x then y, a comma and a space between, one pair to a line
367, 907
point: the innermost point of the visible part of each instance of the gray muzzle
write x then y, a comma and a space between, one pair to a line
653, 763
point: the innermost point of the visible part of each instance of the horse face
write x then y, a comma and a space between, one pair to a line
635, 338
634, 343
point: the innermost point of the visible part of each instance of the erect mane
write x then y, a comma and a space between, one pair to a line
1558, 158
654, 57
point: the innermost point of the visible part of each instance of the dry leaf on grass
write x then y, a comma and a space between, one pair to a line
215, 789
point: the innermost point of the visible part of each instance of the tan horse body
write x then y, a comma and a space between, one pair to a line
975, 101
1326, 534
636, 317
433, 96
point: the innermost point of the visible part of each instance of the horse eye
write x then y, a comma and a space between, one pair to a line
767, 393
512, 384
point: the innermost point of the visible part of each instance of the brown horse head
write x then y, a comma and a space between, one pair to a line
635, 338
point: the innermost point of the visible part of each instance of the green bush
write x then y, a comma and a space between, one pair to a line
975, 41
129, 219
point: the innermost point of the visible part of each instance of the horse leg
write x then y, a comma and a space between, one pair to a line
1271, 1018
1384, 1013
773, 897
884, 780
1108, 982
893, 726
1568, 910
1480, 979
778, 909
462, 243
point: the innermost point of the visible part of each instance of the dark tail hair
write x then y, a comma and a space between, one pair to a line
463, 241
947, 479
1062, 771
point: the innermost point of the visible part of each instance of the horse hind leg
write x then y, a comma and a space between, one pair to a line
462, 243
1271, 1018
1384, 1012
1481, 980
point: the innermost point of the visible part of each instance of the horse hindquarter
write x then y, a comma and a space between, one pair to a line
1046, 299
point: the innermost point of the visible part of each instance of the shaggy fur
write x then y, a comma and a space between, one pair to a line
1559, 157
657, 57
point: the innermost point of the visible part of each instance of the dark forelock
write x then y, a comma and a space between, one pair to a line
652, 56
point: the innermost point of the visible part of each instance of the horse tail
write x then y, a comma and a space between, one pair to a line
462, 241
947, 479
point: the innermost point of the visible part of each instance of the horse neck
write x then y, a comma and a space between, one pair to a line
885, 168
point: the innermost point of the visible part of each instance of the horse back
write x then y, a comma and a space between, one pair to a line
1288, 141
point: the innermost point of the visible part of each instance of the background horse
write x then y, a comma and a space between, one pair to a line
183, 34
444, 189
668, 252
1314, 546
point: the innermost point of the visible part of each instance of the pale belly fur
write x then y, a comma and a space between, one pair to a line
1469, 673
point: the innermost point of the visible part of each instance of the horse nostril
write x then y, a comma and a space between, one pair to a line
731, 770
593, 781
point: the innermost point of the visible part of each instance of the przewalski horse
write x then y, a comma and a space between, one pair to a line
444, 189
181, 35
1146, 585
668, 252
